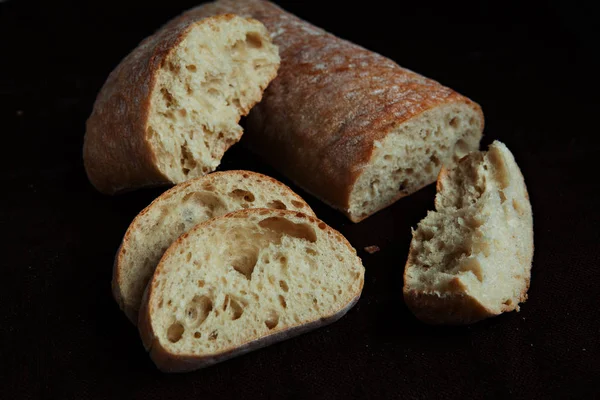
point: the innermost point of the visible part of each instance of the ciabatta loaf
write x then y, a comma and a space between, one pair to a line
243, 281
349, 125
471, 258
171, 108
178, 210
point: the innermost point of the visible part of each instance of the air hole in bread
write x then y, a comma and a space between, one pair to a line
517, 206
188, 257
197, 335
175, 332
461, 149
245, 262
282, 301
272, 319
236, 309
199, 309
191, 68
435, 160
167, 97
454, 122
201, 283
311, 251
404, 183
277, 205
322, 225
213, 335
242, 194
508, 302
287, 227
206, 199
297, 204
254, 40
502, 196
284, 286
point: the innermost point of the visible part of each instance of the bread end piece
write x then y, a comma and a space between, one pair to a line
471, 258
171, 108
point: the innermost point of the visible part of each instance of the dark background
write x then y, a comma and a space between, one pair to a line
532, 66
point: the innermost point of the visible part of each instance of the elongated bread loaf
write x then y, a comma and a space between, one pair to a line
178, 210
471, 258
171, 108
348, 125
243, 281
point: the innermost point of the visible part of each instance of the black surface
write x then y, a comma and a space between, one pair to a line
532, 67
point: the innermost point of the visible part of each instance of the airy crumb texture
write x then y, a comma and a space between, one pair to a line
180, 209
171, 109
471, 258
243, 281
411, 156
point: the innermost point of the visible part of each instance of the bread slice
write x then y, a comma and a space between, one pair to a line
471, 258
348, 125
243, 281
180, 209
171, 108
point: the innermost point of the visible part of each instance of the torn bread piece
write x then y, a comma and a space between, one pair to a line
471, 258
243, 281
177, 211
170, 109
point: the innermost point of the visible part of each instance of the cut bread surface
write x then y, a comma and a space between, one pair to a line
471, 258
243, 281
211, 78
411, 156
171, 108
180, 209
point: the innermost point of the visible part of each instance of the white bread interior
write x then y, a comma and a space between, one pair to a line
209, 80
245, 280
476, 249
410, 157
180, 209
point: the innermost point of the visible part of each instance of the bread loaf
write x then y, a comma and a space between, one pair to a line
171, 108
243, 281
178, 210
471, 258
349, 125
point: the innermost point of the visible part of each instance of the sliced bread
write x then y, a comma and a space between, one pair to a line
471, 258
243, 281
178, 210
171, 108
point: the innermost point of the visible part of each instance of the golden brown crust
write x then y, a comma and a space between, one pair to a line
117, 154
119, 264
168, 362
331, 101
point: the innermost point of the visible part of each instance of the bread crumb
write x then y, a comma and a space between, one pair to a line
372, 249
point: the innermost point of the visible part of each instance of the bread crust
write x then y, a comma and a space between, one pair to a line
119, 263
117, 154
168, 362
330, 103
